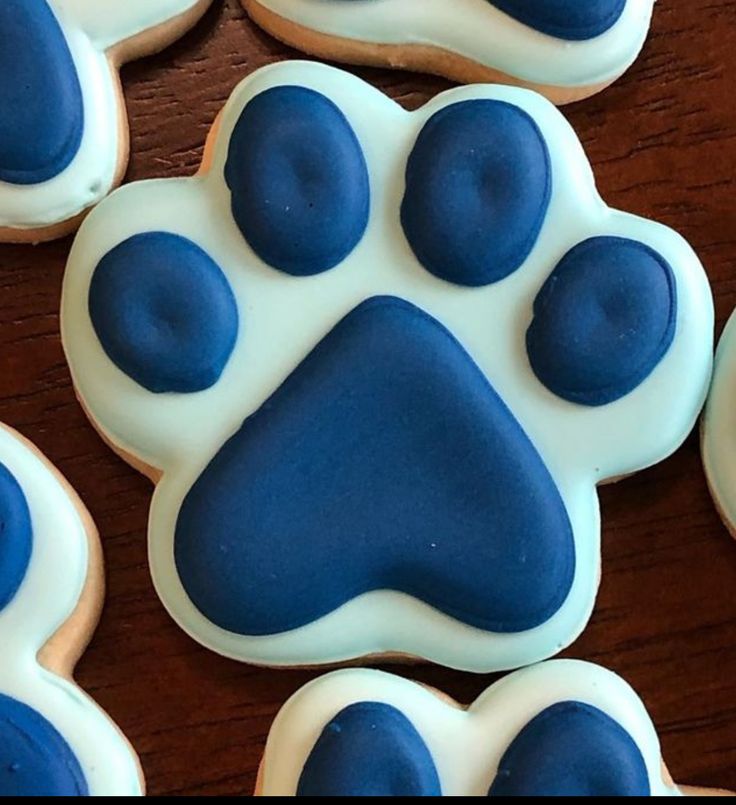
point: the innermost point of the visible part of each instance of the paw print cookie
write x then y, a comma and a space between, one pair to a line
376, 363
63, 131
562, 728
565, 49
54, 740
719, 429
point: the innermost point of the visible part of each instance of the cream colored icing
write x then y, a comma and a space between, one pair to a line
719, 427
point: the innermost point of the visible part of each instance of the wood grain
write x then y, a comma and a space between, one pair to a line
663, 144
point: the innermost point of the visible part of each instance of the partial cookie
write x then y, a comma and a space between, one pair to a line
377, 363
562, 728
565, 49
719, 429
63, 128
54, 740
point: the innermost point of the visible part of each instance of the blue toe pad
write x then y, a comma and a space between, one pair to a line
41, 107
603, 320
573, 750
16, 536
299, 181
478, 185
34, 759
369, 750
565, 19
164, 312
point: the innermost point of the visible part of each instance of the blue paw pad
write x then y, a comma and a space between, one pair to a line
572, 749
565, 19
385, 461
299, 182
41, 107
478, 185
34, 759
16, 536
603, 320
369, 750
164, 312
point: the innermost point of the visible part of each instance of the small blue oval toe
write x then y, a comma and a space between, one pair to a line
369, 750
478, 184
384, 461
299, 182
41, 107
565, 19
575, 750
603, 320
35, 760
16, 536
164, 312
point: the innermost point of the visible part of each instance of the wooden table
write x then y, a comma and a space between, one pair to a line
663, 144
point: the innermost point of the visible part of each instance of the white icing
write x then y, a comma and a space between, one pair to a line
480, 32
89, 30
284, 317
466, 745
47, 597
719, 427
107, 22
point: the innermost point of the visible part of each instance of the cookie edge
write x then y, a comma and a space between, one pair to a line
414, 58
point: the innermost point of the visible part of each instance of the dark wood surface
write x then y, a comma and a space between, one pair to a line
663, 144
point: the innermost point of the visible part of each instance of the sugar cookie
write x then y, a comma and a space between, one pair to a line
719, 429
63, 129
377, 362
561, 728
566, 49
54, 740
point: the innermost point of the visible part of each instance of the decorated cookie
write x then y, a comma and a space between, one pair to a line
54, 740
562, 728
376, 363
719, 429
566, 49
63, 131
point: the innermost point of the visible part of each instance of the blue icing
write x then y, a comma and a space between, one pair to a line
572, 749
35, 760
478, 185
299, 182
385, 461
369, 750
164, 312
41, 107
603, 320
16, 536
565, 19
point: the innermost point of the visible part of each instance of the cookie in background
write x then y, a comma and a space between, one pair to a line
565, 49
54, 740
63, 125
718, 431
561, 728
